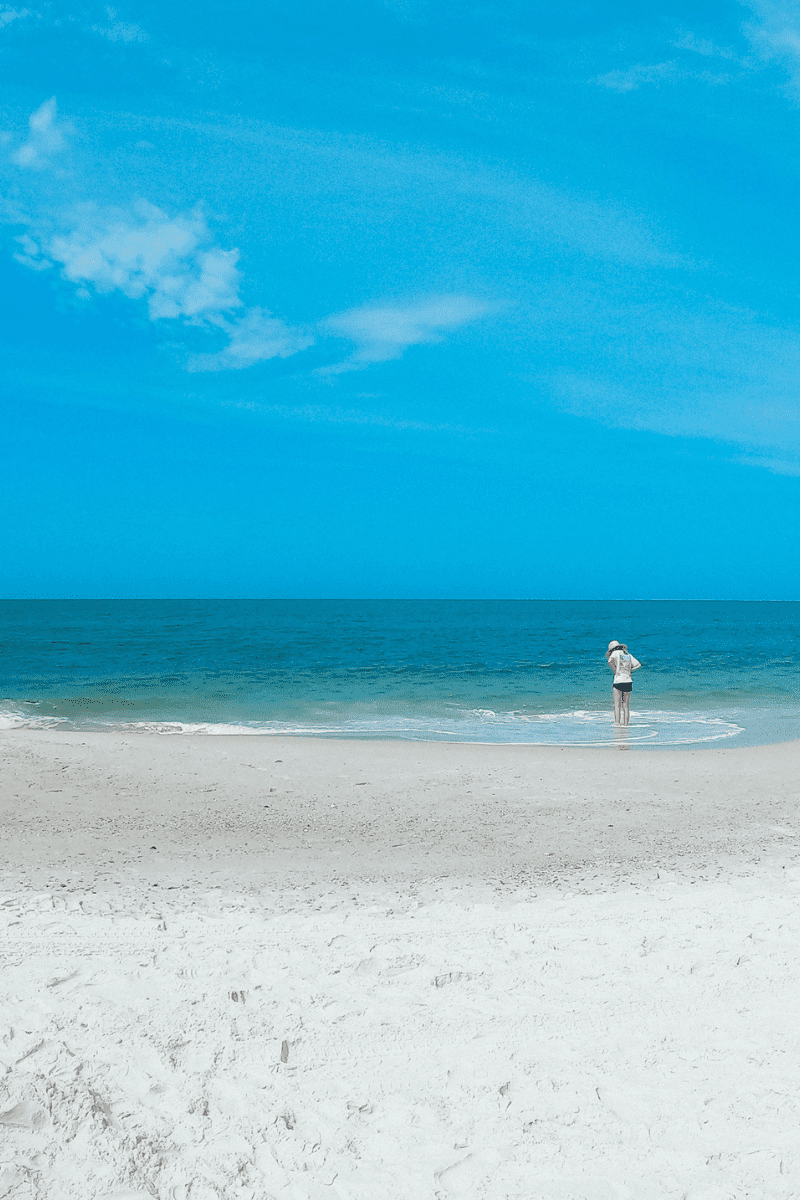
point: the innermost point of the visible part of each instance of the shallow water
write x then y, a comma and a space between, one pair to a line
485, 671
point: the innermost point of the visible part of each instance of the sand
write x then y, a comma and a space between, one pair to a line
303, 969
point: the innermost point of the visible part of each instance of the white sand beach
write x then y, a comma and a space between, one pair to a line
302, 969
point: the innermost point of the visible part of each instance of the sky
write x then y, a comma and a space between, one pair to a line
394, 298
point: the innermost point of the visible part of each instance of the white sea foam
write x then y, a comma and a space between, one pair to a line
17, 719
209, 728
579, 728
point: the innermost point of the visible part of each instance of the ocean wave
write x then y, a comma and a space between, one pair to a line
480, 726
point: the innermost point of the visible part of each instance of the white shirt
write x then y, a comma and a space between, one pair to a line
623, 664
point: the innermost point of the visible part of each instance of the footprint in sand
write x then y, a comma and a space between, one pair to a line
23, 1115
441, 981
10, 1178
462, 1176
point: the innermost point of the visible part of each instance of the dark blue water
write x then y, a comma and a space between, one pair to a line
521, 671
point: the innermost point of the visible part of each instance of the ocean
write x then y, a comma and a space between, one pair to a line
526, 671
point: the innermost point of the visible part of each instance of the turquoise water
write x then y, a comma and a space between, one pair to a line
485, 671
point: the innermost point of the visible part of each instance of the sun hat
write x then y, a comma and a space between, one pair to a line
612, 645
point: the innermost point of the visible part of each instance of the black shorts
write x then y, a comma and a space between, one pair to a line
623, 687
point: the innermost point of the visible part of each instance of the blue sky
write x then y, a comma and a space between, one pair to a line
395, 298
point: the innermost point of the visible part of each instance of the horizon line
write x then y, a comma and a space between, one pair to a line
404, 599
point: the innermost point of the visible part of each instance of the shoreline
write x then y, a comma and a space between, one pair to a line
670, 729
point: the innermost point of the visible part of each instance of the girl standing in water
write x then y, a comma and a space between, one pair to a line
623, 664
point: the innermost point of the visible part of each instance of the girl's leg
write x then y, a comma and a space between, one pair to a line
617, 705
626, 707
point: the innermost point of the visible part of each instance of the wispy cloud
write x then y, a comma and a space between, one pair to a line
253, 338
634, 77
332, 172
333, 415
382, 332
119, 31
676, 70
775, 33
778, 466
47, 138
732, 378
7, 15
112, 28
707, 48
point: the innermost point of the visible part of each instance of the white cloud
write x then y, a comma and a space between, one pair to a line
634, 77
383, 331
141, 252
170, 262
47, 137
255, 337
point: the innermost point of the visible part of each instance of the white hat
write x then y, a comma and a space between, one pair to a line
614, 643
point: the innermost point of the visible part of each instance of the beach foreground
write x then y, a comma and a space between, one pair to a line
251, 967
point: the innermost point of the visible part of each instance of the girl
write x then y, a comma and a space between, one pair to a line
622, 664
